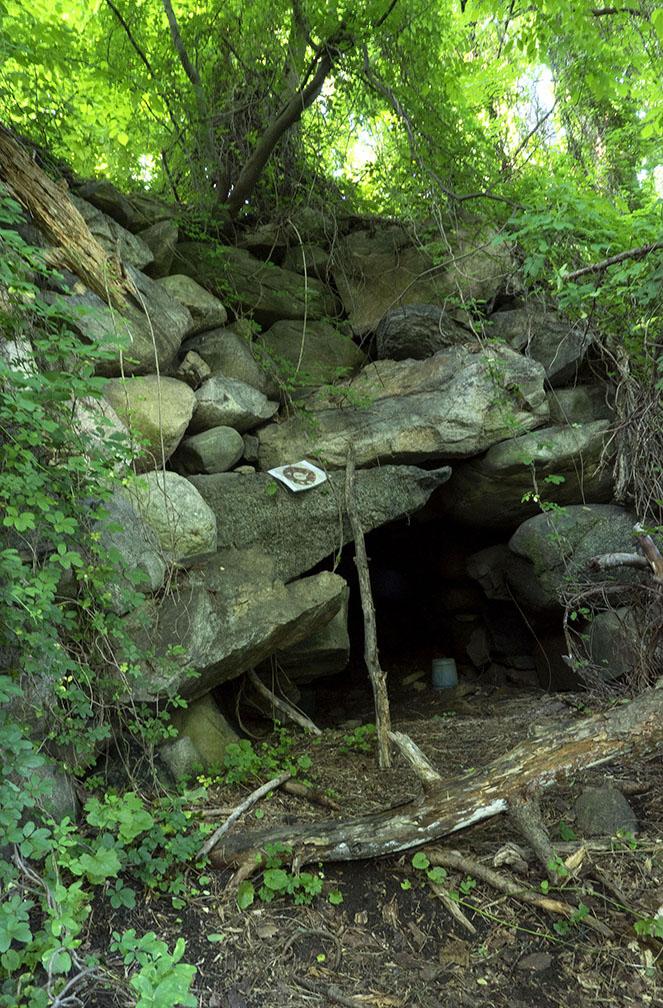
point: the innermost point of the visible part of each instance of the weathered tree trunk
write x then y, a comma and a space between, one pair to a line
472, 796
56, 215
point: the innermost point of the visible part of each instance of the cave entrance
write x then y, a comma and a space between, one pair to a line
427, 606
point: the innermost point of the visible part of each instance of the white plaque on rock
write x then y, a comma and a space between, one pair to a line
299, 475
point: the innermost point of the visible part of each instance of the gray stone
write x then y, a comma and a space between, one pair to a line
161, 238
489, 491
615, 641
309, 259
453, 405
321, 352
299, 530
134, 212
251, 446
124, 531
323, 654
16, 352
144, 340
264, 290
558, 344
114, 238
225, 402
212, 451
551, 550
183, 523
226, 617
203, 737
101, 431
417, 331
156, 410
488, 567
381, 268
193, 370
207, 312
58, 798
267, 241
229, 355
582, 404
604, 811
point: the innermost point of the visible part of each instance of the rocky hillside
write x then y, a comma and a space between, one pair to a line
466, 399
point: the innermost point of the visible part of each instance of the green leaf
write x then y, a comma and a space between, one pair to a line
276, 879
245, 894
335, 897
420, 861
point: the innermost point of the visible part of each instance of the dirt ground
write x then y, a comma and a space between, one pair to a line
392, 942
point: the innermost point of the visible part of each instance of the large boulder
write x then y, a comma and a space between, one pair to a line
134, 549
135, 212
581, 404
299, 530
225, 402
183, 523
161, 239
308, 259
262, 289
381, 268
224, 618
324, 653
100, 430
113, 238
547, 337
452, 405
557, 464
146, 334
551, 551
417, 331
212, 451
311, 354
206, 311
229, 355
156, 410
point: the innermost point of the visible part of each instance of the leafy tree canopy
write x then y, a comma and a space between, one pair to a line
393, 103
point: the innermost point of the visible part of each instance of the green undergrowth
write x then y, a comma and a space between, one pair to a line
67, 668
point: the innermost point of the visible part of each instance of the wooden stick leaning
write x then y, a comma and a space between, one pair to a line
282, 705
376, 674
248, 802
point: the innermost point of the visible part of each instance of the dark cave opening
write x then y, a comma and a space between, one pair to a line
427, 606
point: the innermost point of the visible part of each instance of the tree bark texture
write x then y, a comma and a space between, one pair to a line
58, 218
461, 801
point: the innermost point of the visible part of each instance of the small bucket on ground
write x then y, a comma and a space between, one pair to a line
444, 674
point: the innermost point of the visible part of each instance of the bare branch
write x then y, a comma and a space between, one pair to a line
248, 803
634, 253
608, 11
609, 560
175, 34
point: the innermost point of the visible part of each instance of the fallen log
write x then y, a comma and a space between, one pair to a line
461, 801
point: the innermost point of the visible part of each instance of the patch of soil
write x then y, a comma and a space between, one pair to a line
392, 942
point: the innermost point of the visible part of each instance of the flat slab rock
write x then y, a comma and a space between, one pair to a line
489, 491
300, 530
453, 405
224, 618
